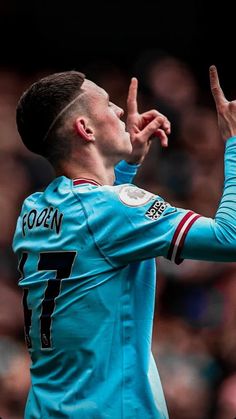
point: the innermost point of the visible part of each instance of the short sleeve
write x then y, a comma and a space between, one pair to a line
131, 224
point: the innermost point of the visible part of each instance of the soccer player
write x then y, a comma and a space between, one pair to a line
87, 248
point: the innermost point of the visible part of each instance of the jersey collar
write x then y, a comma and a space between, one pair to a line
81, 180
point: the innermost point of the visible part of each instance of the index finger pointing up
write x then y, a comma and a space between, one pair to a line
216, 90
132, 106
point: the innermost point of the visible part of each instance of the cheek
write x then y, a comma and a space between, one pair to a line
108, 126
112, 127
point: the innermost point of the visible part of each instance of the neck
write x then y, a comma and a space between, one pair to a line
88, 168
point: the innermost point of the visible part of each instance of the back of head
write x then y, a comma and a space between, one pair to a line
39, 107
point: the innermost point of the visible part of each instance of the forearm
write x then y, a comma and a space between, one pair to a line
215, 239
226, 212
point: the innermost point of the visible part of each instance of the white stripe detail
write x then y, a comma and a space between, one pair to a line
92, 182
180, 235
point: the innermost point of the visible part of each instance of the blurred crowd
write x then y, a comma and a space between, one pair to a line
194, 336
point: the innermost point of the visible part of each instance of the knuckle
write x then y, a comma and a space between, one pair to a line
154, 112
159, 120
222, 108
232, 105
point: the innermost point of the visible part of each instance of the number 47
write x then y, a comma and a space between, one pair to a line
62, 263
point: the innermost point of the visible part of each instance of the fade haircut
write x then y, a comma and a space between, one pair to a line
39, 111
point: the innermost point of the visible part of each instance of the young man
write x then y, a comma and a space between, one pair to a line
87, 249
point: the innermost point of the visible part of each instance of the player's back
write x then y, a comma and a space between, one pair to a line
77, 314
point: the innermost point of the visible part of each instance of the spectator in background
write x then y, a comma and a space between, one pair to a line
226, 400
168, 84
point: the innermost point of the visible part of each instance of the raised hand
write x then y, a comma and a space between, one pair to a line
144, 127
226, 111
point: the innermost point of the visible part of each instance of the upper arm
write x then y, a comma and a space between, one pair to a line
131, 224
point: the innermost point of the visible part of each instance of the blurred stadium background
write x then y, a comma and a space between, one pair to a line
169, 47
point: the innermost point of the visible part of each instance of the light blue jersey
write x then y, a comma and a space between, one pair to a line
87, 257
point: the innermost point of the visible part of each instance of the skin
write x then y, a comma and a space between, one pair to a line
143, 127
226, 111
102, 138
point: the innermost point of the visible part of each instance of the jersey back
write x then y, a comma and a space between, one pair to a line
88, 278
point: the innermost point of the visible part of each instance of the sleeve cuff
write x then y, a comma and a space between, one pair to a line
230, 141
180, 235
125, 167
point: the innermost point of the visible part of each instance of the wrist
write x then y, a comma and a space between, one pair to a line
135, 160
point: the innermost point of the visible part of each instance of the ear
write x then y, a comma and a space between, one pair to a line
83, 129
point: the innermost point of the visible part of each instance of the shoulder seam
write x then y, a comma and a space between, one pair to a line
75, 193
